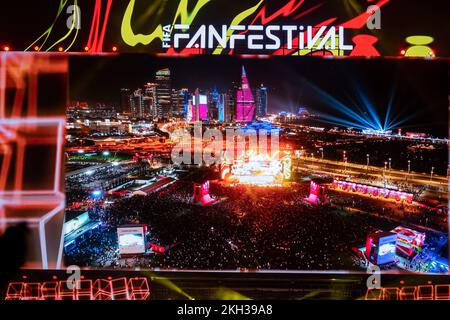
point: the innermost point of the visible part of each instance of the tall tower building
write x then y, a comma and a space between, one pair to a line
125, 100
163, 92
187, 97
150, 108
261, 101
189, 115
213, 107
245, 104
137, 104
199, 106
230, 105
179, 102
221, 106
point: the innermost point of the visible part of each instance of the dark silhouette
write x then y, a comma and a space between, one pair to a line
13, 248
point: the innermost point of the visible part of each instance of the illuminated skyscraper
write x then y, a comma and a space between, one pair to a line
221, 106
125, 100
150, 107
245, 104
137, 104
230, 104
187, 98
199, 106
213, 106
179, 102
163, 93
261, 101
190, 109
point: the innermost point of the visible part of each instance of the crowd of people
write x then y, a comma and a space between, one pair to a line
248, 228
98, 248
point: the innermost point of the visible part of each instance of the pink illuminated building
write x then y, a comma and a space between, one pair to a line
201, 194
408, 240
372, 191
317, 192
199, 107
245, 104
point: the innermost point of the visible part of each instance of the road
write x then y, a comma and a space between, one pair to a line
438, 184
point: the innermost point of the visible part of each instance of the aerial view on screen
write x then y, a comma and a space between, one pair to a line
343, 165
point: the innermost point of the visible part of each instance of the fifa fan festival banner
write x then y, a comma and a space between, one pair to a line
369, 28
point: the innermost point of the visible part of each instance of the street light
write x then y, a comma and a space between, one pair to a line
343, 156
390, 164
409, 171
368, 161
431, 174
345, 164
321, 150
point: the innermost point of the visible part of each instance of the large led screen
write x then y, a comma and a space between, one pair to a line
295, 164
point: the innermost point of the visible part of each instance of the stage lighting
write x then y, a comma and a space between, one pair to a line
96, 193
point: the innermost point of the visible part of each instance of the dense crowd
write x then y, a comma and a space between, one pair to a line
97, 249
248, 227
105, 177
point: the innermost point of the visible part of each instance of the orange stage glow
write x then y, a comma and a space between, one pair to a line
259, 170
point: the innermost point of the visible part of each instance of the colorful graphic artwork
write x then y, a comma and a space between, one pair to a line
290, 27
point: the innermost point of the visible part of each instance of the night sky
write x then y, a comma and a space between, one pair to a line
416, 89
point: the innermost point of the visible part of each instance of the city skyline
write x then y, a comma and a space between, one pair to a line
330, 178
412, 95
158, 99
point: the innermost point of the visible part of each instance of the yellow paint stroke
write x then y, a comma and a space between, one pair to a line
132, 39
184, 15
47, 32
75, 19
237, 20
